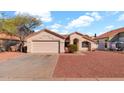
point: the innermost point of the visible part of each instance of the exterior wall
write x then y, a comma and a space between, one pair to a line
81, 39
111, 44
94, 46
101, 45
119, 37
117, 41
44, 36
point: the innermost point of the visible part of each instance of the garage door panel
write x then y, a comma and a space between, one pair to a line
45, 47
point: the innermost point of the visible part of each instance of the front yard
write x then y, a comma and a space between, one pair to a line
93, 65
98, 64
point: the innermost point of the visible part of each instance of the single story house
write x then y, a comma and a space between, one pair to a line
112, 40
7, 40
46, 41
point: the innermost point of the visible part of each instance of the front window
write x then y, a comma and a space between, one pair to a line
85, 44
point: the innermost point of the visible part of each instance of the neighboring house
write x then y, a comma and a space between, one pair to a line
7, 40
112, 40
46, 41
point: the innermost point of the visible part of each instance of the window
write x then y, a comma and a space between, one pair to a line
85, 44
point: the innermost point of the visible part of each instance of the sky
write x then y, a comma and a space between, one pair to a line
85, 22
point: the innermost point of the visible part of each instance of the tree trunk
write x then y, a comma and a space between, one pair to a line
21, 46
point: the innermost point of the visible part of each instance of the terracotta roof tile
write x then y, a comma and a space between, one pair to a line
65, 36
49, 31
84, 36
4, 35
111, 33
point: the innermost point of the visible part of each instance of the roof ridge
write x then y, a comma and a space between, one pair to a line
111, 33
49, 31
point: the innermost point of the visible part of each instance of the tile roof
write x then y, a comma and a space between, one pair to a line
58, 35
4, 35
46, 30
84, 36
110, 33
65, 36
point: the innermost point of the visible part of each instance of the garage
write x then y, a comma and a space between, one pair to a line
45, 41
45, 46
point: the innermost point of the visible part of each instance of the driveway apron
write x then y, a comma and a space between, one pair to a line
28, 67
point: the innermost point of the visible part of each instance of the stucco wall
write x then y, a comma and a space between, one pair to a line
45, 36
81, 39
101, 44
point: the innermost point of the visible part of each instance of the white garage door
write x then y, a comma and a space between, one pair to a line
45, 47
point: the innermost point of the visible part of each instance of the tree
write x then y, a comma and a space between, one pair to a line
21, 25
25, 25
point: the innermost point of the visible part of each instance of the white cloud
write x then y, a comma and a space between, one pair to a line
44, 16
64, 32
82, 21
121, 17
95, 15
106, 29
90, 33
102, 32
55, 30
109, 27
55, 26
61, 29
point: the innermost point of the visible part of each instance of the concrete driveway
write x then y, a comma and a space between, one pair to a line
28, 67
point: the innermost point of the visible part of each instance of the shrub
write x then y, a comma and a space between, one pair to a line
72, 48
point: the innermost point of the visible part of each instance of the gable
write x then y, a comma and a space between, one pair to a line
75, 36
110, 33
81, 37
44, 35
47, 31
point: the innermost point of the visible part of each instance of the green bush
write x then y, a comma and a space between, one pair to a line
72, 48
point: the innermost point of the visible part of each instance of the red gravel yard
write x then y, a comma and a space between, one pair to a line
98, 64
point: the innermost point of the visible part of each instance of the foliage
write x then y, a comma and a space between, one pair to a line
20, 25
12, 25
72, 48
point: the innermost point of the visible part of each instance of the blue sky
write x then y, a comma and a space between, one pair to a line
86, 22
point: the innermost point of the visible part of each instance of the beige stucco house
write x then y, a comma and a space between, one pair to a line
46, 41
83, 42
